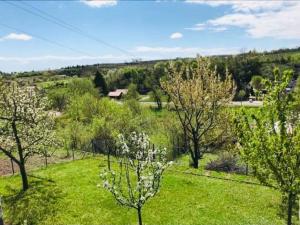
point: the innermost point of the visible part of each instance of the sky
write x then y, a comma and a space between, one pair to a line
41, 35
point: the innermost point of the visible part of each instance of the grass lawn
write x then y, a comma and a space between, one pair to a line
71, 196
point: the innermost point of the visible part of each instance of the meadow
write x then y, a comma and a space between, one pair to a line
69, 193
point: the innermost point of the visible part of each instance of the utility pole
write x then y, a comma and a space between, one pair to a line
1, 214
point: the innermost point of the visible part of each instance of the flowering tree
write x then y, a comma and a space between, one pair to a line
198, 94
270, 140
139, 174
25, 127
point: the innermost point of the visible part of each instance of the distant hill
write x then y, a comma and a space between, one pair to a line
281, 56
119, 75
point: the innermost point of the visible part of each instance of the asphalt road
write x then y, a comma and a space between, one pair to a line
235, 103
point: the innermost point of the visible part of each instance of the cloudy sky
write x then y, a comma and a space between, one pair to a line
50, 34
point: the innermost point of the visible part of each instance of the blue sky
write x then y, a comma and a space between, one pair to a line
30, 39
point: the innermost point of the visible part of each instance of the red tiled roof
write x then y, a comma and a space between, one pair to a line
117, 93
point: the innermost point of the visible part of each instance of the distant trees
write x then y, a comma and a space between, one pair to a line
257, 83
153, 83
25, 126
100, 83
241, 95
270, 140
81, 86
132, 92
140, 172
59, 99
198, 94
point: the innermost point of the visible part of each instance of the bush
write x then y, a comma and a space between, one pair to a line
58, 99
226, 162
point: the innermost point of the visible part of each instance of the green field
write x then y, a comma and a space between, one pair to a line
67, 193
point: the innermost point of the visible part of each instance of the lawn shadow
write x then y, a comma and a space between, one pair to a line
34, 205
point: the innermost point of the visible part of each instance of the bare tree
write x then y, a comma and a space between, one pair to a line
198, 94
25, 127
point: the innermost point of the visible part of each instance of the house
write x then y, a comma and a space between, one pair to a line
117, 94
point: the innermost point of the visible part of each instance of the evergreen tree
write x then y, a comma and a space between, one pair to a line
99, 82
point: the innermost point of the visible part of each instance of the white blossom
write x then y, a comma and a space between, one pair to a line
140, 172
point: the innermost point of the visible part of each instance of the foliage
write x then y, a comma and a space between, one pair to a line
132, 92
58, 99
198, 94
257, 83
79, 86
241, 95
26, 128
147, 164
296, 96
153, 83
100, 83
270, 140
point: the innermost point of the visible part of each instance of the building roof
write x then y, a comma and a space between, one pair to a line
118, 93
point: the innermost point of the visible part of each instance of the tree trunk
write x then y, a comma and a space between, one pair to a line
291, 198
140, 215
12, 166
186, 145
24, 176
196, 153
1, 214
108, 158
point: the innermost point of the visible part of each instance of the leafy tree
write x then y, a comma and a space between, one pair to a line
198, 94
153, 83
241, 94
270, 138
145, 165
257, 83
25, 126
296, 96
157, 95
132, 92
80, 86
58, 99
100, 82
112, 120
134, 106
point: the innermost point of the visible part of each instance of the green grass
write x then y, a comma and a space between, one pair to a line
183, 199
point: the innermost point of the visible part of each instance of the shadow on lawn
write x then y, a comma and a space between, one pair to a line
36, 204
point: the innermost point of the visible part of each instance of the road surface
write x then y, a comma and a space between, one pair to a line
235, 103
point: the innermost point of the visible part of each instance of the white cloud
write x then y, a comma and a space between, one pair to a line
42, 62
283, 24
205, 26
99, 3
218, 29
176, 35
61, 58
245, 5
18, 37
197, 27
185, 51
276, 19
